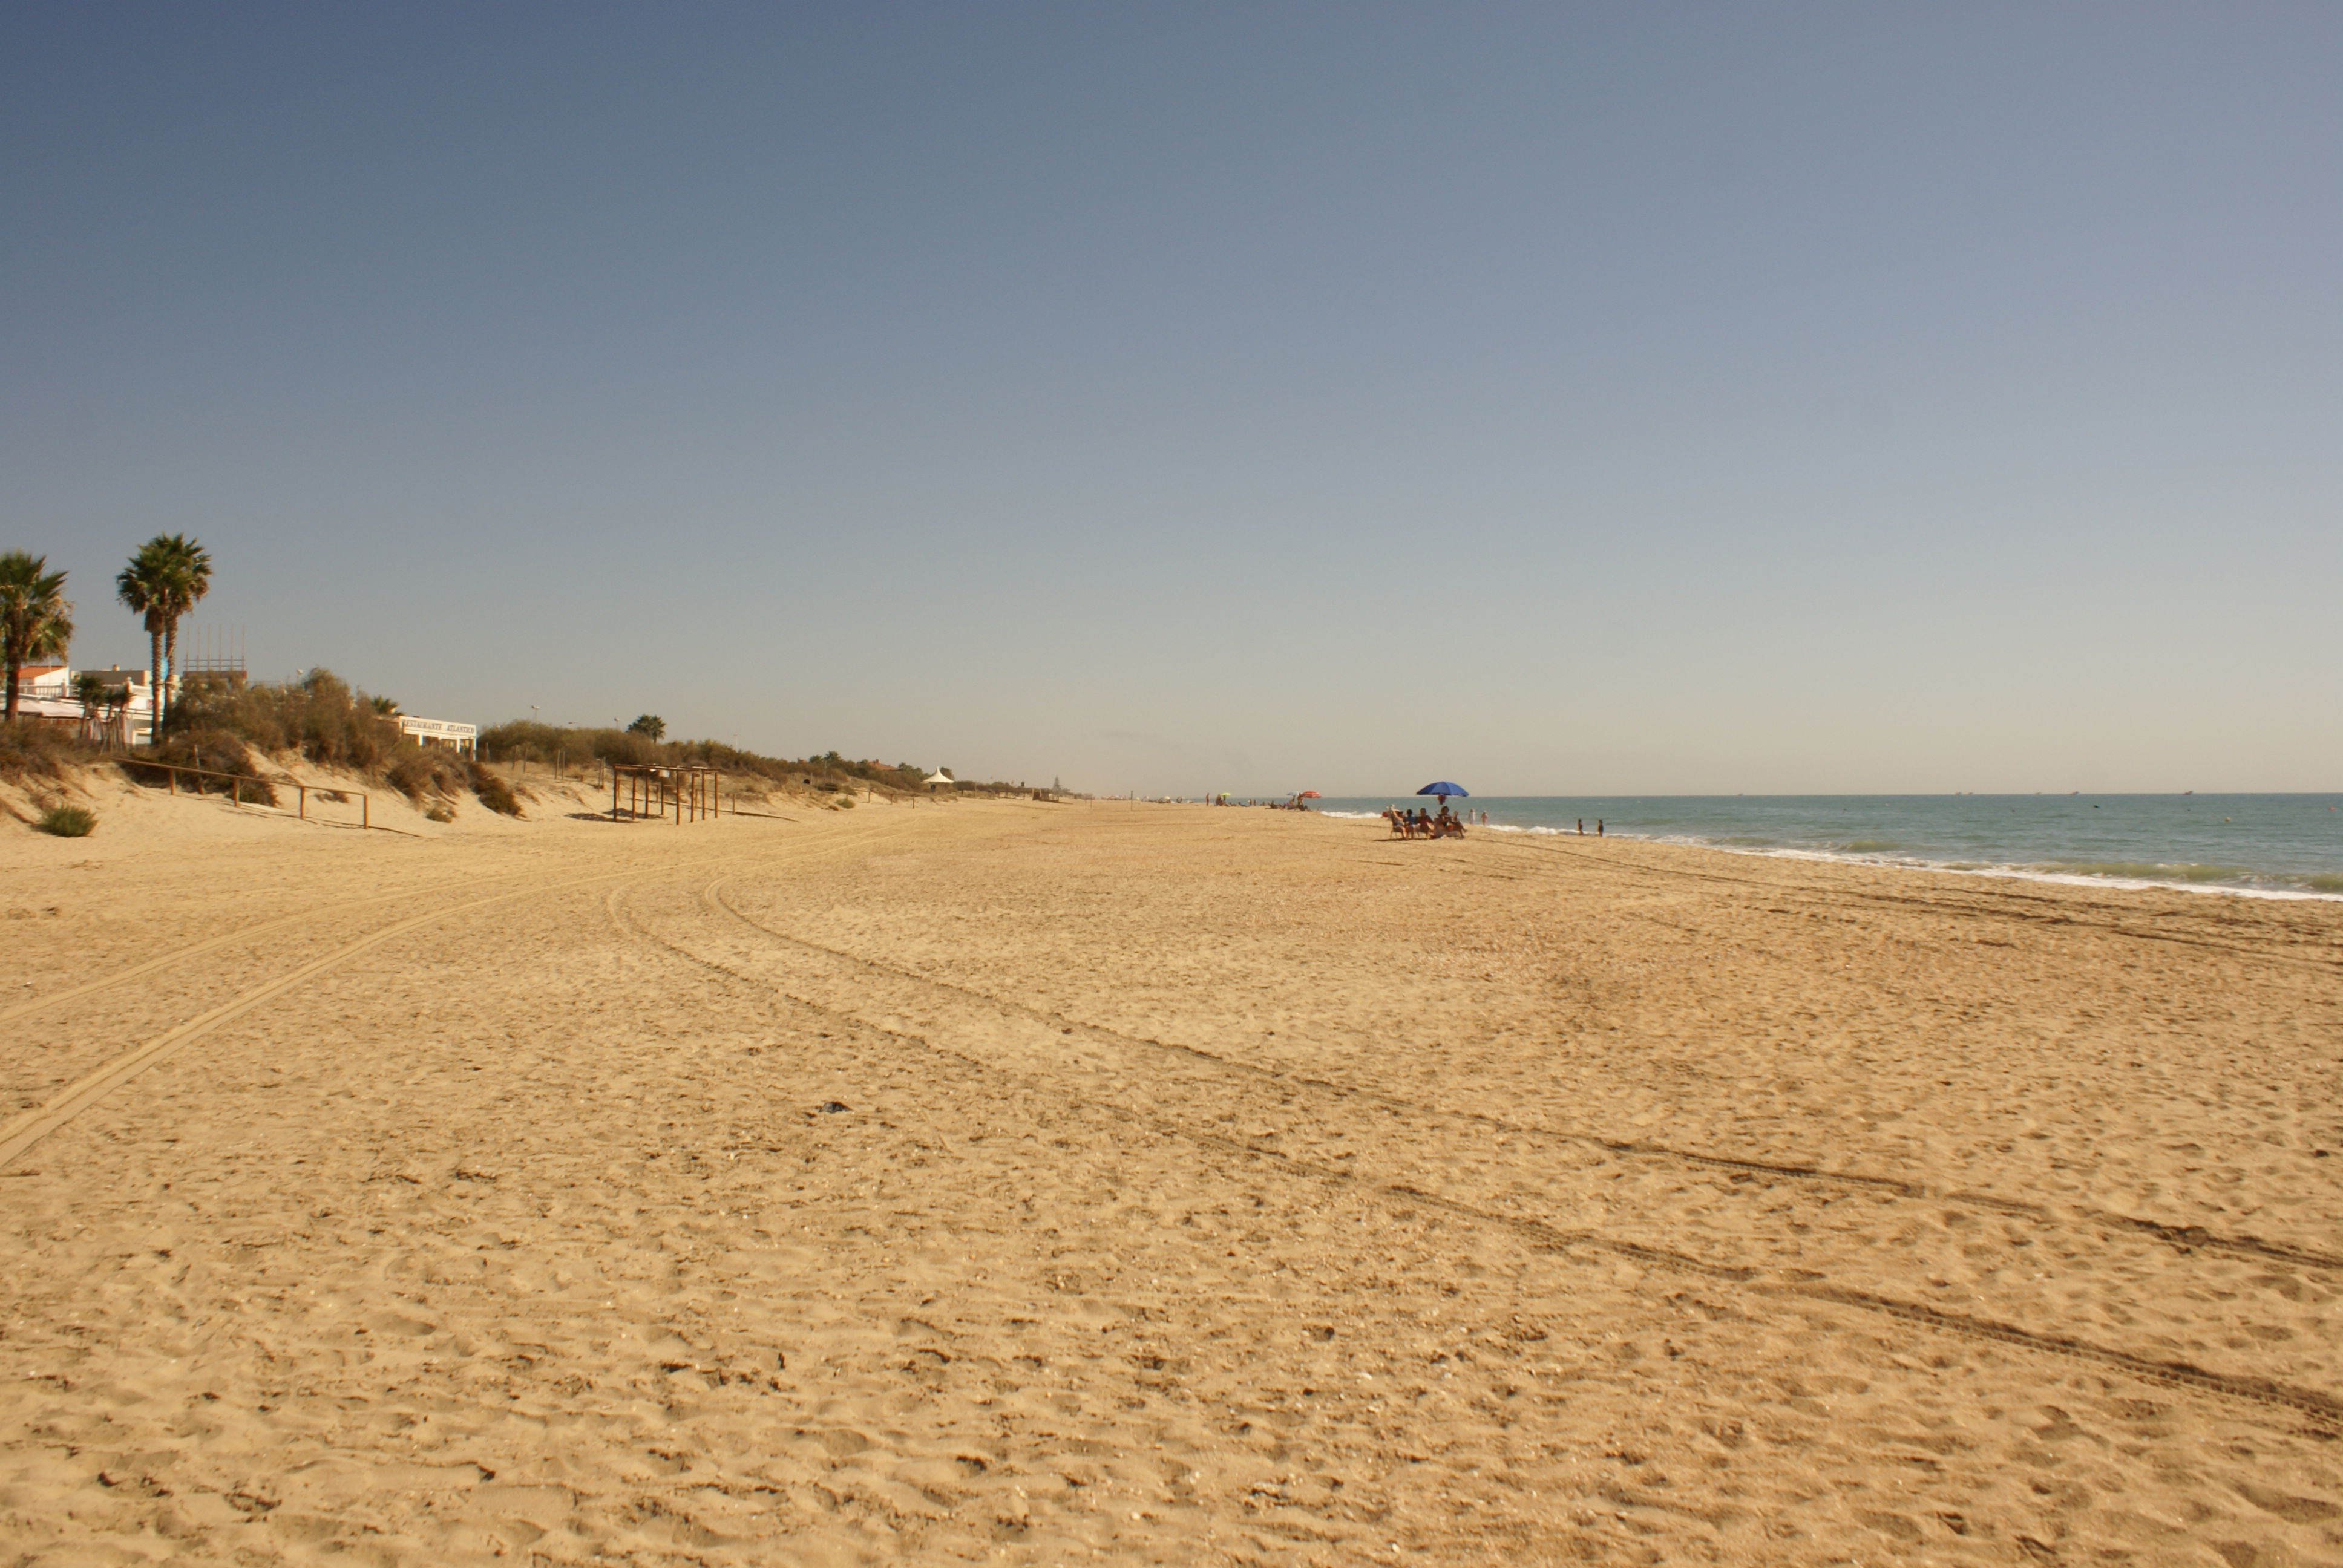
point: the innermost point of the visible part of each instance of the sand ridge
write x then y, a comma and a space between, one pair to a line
1210, 1186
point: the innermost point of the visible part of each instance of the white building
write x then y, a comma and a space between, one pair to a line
440, 732
53, 692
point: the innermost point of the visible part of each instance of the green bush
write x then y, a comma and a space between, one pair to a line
68, 821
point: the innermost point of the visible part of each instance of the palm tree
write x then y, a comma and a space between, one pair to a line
166, 576
35, 620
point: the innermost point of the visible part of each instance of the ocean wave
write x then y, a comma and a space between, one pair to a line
2242, 880
2156, 870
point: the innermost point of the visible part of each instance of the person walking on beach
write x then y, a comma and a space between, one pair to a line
1581, 827
1598, 826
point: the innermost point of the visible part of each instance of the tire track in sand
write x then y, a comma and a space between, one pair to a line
24, 1131
2323, 1408
2183, 1239
212, 944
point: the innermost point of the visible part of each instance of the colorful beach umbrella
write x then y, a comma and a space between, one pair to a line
1309, 795
1444, 788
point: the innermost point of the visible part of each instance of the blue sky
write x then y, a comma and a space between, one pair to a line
1625, 398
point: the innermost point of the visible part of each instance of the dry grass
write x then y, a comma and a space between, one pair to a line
208, 750
36, 748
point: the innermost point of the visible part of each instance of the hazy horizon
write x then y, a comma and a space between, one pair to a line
1593, 401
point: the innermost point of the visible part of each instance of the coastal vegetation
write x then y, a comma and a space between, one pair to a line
828, 773
68, 821
219, 721
222, 723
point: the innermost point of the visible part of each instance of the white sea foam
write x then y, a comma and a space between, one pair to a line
1952, 868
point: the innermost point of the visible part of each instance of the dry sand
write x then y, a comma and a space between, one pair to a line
1210, 1186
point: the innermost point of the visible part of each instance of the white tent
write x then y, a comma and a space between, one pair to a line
936, 778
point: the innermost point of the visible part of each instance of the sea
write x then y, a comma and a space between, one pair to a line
2282, 845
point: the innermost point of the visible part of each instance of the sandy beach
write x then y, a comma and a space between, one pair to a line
1033, 1182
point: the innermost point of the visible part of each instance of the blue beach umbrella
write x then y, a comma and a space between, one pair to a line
1444, 788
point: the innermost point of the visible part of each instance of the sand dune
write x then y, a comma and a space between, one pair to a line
1044, 1184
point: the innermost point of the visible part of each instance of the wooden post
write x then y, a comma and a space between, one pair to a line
305, 801
366, 810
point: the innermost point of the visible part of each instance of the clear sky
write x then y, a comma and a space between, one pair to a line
1632, 397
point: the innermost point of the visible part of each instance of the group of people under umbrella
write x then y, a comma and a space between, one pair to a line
1422, 824
1444, 823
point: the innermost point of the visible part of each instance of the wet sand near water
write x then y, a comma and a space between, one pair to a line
1040, 1183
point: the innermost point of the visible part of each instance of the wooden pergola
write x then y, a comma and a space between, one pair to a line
685, 792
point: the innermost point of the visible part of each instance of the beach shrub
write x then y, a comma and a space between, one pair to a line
68, 821
494, 792
420, 770
440, 812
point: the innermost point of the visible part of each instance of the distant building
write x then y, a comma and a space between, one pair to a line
440, 732
126, 717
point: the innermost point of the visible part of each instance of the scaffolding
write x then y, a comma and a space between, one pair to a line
685, 792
